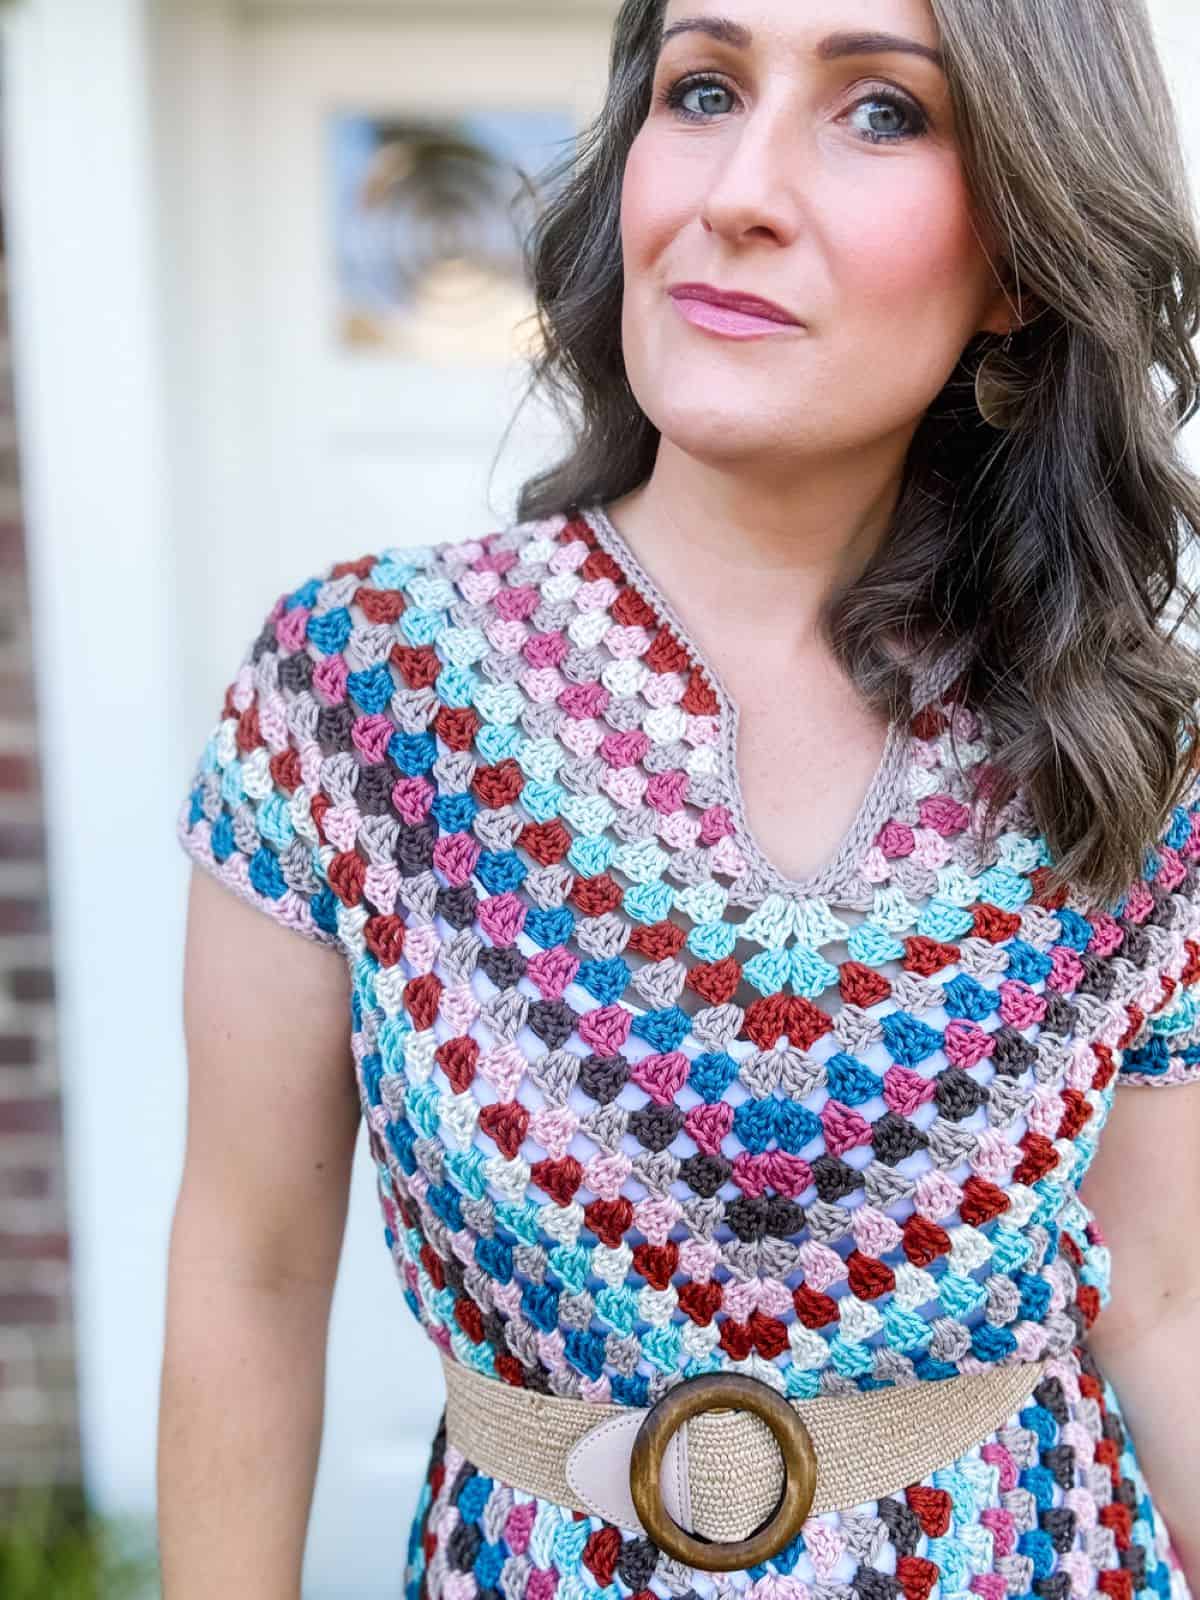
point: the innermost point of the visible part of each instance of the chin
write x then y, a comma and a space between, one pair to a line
727, 434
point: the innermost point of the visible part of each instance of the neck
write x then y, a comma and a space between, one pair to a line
765, 555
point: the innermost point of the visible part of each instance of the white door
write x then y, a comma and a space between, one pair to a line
363, 446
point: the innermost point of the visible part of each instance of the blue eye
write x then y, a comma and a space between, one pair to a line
902, 107
682, 87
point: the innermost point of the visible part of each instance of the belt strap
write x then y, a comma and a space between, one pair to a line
729, 1475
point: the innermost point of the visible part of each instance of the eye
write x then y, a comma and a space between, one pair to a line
901, 107
705, 86
676, 93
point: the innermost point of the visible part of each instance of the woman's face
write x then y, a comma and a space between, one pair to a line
823, 178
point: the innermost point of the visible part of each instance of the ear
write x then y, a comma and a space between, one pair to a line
1005, 312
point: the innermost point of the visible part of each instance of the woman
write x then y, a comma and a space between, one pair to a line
755, 871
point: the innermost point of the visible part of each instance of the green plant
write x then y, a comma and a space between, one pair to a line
53, 1547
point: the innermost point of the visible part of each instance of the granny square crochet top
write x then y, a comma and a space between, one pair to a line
643, 1107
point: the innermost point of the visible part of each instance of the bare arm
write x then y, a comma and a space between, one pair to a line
256, 1238
1144, 1188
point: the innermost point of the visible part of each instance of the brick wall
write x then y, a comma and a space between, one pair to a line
38, 1414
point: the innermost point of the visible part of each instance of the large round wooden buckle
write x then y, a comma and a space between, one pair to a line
712, 1391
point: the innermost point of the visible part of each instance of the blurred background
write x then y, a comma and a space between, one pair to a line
263, 307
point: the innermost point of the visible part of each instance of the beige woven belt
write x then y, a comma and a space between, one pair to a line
703, 1492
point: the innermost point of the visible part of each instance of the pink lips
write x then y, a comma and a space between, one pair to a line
737, 316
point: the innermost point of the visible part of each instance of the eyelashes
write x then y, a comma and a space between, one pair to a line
671, 98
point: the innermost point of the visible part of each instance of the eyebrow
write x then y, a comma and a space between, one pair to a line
830, 48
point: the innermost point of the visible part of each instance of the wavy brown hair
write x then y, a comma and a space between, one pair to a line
1054, 552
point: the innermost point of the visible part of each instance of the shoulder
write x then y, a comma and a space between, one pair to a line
413, 590
1159, 923
362, 651
349, 732
350, 613
438, 620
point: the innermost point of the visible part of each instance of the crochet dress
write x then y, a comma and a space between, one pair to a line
642, 1107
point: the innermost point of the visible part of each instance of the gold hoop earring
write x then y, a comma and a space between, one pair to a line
997, 386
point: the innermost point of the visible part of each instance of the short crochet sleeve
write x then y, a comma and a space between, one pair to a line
252, 812
1165, 904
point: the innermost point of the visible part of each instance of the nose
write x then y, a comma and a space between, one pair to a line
756, 181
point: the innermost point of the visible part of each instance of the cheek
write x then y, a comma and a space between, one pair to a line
648, 203
632, 197
906, 245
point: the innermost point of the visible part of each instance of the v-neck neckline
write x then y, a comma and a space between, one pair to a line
841, 875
